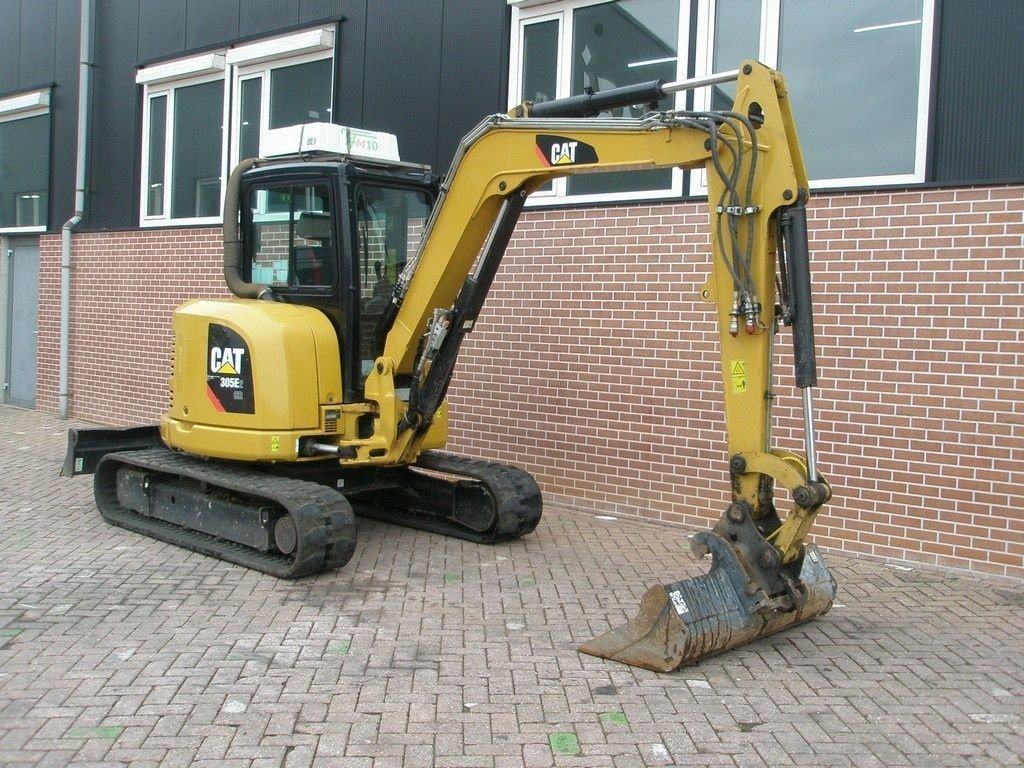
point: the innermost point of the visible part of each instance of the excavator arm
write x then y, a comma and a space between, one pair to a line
763, 575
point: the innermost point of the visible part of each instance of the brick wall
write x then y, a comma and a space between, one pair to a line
125, 286
595, 364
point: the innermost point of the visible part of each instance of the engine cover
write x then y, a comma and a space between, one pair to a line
250, 377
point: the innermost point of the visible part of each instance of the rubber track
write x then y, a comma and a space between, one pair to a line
517, 498
323, 517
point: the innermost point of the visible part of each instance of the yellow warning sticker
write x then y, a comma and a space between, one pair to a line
738, 372
275, 444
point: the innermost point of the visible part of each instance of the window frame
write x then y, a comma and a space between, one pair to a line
701, 47
168, 88
25, 106
770, 23
263, 69
529, 12
230, 66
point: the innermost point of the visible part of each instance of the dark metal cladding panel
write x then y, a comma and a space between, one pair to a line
474, 70
316, 10
403, 64
350, 63
68, 38
10, 45
161, 28
210, 22
114, 131
64, 113
259, 17
38, 31
978, 109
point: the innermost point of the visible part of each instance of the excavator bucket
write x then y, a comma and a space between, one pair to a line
686, 621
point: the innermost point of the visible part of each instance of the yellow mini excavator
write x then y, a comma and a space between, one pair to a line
318, 392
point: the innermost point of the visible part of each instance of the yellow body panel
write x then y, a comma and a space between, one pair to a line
296, 388
295, 368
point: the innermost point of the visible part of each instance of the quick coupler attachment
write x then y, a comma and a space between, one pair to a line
686, 621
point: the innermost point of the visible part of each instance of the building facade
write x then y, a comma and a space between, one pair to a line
594, 365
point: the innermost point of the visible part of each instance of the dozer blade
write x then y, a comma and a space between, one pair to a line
686, 621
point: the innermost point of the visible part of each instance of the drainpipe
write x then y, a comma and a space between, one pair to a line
84, 83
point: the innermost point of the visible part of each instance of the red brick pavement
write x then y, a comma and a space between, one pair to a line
116, 650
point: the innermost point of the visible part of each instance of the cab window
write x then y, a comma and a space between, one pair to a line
292, 236
390, 222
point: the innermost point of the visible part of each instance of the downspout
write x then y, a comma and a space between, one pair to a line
84, 84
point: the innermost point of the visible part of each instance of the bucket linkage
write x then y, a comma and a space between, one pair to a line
754, 588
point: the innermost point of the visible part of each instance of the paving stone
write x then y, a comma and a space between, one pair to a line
425, 651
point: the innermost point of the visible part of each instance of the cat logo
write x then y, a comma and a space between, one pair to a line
564, 153
226, 360
229, 385
561, 150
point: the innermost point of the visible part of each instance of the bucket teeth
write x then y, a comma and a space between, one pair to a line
686, 621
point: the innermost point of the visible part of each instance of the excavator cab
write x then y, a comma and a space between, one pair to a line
334, 233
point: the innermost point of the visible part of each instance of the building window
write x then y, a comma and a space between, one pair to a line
564, 48
857, 73
184, 157
25, 162
283, 82
195, 127
183, 144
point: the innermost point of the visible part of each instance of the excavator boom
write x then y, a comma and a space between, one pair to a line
763, 577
